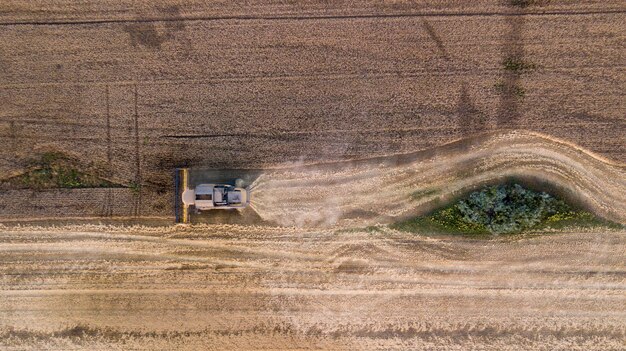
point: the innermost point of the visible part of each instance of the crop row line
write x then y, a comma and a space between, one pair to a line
315, 17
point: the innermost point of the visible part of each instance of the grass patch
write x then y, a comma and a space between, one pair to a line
135, 187
517, 65
503, 209
429, 225
369, 229
55, 170
424, 193
577, 219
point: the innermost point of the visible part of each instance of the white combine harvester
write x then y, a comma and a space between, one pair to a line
216, 196
207, 196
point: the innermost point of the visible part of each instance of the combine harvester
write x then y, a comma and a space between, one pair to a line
204, 197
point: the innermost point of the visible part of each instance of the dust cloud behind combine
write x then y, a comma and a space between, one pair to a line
388, 189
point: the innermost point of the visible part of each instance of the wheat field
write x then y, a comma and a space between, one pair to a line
353, 115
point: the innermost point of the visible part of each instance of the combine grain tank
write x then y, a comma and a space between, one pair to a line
216, 196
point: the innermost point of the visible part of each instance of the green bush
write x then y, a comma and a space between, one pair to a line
502, 209
507, 208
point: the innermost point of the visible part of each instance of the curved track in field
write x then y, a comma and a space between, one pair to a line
382, 190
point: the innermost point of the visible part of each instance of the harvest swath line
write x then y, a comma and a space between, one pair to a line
308, 18
307, 132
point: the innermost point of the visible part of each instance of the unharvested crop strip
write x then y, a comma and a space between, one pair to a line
304, 132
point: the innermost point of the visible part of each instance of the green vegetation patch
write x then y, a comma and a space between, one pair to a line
526, 3
576, 219
371, 229
517, 65
424, 193
502, 209
55, 170
135, 187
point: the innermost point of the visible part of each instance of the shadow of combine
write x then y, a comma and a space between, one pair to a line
246, 216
